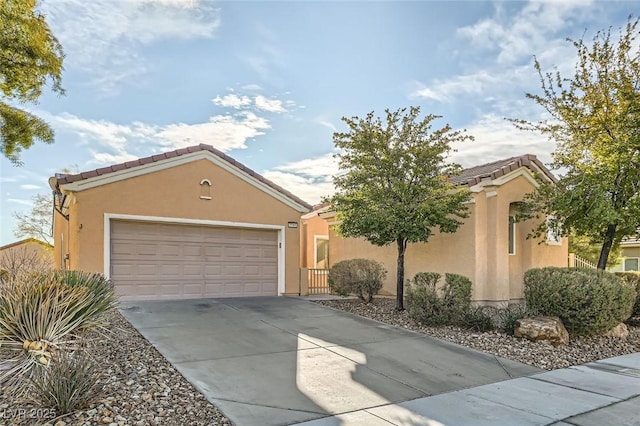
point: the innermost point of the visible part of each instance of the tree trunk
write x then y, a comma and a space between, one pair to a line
402, 247
606, 247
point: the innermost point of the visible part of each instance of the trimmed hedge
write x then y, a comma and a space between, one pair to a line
588, 301
633, 278
362, 277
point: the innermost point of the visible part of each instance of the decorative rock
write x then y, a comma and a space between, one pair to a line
548, 329
620, 331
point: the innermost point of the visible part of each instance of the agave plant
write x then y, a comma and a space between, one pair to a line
46, 314
72, 382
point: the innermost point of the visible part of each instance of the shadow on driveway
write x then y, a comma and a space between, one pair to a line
279, 360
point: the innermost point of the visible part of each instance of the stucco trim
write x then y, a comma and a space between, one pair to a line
522, 171
116, 176
108, 217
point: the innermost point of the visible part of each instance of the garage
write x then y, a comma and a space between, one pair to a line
189, 223
177, 261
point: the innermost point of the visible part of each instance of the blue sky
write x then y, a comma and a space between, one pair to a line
268, 82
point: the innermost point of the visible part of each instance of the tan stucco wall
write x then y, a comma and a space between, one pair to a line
175, 193
478, 250
312, 227
440, 254
30, 252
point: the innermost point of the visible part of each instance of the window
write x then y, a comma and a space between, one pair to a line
512, 235
554, 236
631, 264
321, 252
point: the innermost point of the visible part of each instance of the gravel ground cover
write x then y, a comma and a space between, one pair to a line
543, 355
141, 388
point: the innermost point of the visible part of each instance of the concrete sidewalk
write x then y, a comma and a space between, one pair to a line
606, 392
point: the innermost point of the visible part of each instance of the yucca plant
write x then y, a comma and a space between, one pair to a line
44, 315
72, 382
101, 290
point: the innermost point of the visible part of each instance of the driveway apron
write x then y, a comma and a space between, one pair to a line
280, 360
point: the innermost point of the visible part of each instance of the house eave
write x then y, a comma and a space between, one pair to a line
117, 176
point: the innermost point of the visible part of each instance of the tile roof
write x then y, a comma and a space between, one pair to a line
495, 169
64, 179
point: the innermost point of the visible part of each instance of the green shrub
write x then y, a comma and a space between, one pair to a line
633, 278
362, 277
423, 303
457, 294
428, 279
510, 315
477, 319
71, 383
449, 306
588, 301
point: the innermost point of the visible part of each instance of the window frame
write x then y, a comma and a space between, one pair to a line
511, 238
315, 250
624, 264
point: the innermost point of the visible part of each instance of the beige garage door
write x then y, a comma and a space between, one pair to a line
167, 261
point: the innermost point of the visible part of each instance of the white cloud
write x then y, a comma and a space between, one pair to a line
232, 101
270, 105
252, 87
258, 102
102, 37
326, 123
447, 90
225, 132
311, 179
20, 201
106, 158
115, 143
29, 186
529, 32
309, 190
496, 139
318, 167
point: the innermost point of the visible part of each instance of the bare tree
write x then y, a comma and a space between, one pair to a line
38, 222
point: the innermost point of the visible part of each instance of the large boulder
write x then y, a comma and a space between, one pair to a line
549, 329
620, 331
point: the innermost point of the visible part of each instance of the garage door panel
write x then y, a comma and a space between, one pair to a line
158, 260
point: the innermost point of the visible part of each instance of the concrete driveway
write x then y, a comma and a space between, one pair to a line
279, 360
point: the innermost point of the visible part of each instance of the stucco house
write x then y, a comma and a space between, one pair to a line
490, 248
29, 253
184, 224
629, 256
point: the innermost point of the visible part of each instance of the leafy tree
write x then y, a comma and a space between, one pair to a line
394, 187
595, 121
29, 56
38, 222
585, 248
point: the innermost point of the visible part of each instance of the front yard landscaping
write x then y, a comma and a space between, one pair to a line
540, 354
140, 388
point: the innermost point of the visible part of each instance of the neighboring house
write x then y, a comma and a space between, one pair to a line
629, 256
29, 253
490, 248
184, 224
